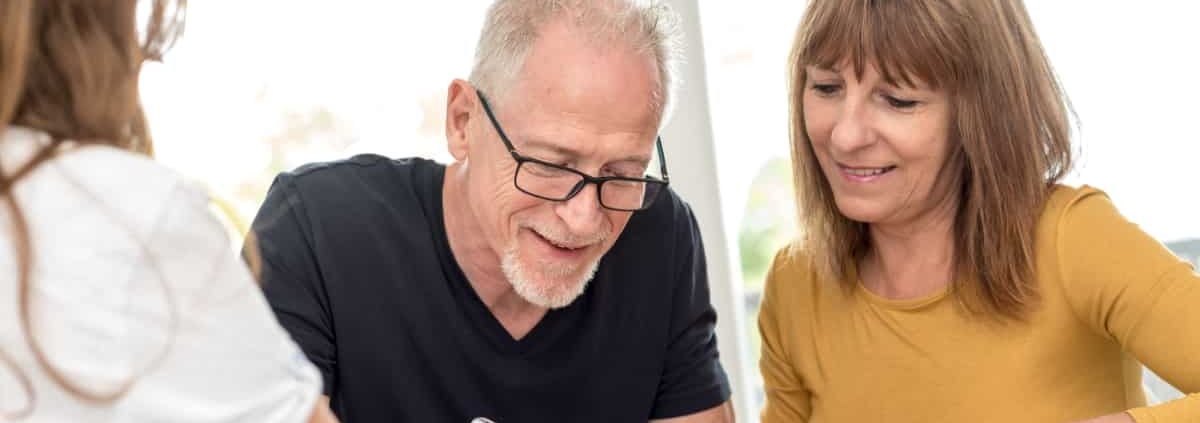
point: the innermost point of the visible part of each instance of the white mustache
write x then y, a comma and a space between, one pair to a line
563, 238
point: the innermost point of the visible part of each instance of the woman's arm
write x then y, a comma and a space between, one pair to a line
1127, 284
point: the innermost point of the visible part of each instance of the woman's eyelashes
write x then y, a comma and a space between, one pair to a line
833, 89
826, 89
899, 103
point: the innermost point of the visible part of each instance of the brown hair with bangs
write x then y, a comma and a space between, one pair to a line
1010, 132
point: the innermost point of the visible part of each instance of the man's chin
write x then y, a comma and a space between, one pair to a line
553, 298
552, 286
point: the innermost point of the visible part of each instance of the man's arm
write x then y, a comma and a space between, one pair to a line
693, 384
291, 282
720, 414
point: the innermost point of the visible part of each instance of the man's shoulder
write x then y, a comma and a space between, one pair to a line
670, 213
361, 177
362, 188
660, 234
362, 167
659, 242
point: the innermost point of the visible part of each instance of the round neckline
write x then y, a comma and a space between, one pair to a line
906, 304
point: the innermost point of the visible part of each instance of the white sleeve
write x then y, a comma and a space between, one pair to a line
228, 359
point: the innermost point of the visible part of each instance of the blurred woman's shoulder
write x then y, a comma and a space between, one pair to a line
113, 214
123, 222
82, 178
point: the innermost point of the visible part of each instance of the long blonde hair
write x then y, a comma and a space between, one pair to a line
1010, 129
70, 68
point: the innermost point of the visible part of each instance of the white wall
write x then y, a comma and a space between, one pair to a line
688, 140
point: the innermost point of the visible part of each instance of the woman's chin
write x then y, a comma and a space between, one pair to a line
862, 211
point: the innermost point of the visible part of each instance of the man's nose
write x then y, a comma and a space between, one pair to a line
582, 213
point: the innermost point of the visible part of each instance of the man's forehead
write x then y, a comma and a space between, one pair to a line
546, 110
572, 73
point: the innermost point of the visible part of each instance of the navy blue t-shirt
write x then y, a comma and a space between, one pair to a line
356, 265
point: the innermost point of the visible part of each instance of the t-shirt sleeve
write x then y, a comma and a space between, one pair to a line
291, 281
225, 358
692, 380
1128, 285
788, 400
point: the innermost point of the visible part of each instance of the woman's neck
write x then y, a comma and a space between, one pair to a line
912, 259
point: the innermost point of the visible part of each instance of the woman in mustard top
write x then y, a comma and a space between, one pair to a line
943, 273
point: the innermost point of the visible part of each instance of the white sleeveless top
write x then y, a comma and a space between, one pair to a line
130, 265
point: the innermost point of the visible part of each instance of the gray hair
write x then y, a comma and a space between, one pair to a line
512, 26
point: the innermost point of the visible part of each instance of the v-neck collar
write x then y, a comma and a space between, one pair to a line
553, 323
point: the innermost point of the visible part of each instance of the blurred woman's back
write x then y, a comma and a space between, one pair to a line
120, 296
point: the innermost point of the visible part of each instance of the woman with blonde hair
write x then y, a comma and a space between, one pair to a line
944, 274
122, 298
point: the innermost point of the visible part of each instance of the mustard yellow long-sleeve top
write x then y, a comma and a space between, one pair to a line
1111, 296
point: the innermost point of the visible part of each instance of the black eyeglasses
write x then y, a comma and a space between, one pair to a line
553, 182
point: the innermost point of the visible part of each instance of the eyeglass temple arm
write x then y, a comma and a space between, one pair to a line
662, 159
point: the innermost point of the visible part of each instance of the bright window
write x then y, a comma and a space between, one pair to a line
258, 87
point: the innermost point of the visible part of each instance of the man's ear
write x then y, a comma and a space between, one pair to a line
460, 108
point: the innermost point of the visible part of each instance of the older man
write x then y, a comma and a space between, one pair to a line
547, 275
